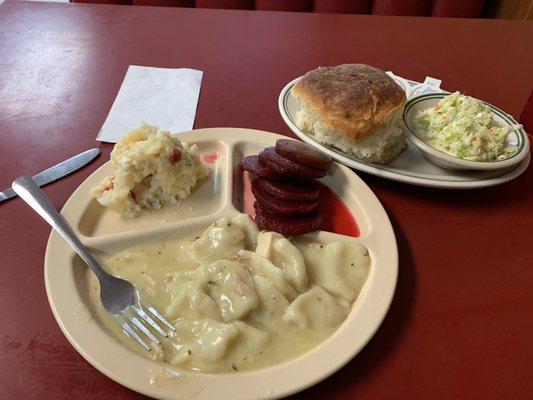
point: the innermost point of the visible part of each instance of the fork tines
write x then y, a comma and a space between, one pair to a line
133, 325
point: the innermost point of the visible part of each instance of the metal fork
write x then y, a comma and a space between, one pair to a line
119, 297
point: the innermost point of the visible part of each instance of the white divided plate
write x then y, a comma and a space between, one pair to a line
410, 167
220, 195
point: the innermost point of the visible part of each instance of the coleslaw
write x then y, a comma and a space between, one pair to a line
462, 126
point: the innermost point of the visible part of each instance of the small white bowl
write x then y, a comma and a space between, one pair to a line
516, 138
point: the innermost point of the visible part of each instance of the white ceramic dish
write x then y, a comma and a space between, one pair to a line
411, 166
516, 138
220, 195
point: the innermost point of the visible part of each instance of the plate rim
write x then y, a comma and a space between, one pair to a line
506, 174
388, 269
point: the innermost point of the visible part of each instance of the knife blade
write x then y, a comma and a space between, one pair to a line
58, 171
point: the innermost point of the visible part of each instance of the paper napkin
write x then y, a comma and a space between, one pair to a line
165, 97
430, 85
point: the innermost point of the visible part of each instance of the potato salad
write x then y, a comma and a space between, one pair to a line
151, 168
240, 299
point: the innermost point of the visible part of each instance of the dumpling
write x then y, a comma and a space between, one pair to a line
231, 286
339, 267
250, 337
262, 266
203, 304
272, 305
179, 303
286, 256
210, 345
222, 290
189, 297
200, 342
220, 241
315, 308
249, 228
249, 345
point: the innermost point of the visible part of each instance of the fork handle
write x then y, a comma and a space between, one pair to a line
32, 194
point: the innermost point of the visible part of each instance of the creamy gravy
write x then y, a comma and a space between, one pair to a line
240, 299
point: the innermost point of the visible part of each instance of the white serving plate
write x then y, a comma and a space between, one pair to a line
410, 167
104, 233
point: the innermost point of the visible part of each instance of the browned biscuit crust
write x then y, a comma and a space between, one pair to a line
352, 99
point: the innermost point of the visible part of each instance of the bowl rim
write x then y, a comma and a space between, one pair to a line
523, 141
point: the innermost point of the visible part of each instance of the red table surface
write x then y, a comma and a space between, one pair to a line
461, 323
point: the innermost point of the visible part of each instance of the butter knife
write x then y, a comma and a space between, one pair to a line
57, 171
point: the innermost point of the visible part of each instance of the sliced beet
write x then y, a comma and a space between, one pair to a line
302, 153
289, 191
282, 207
286, 167
253, 165
287, 226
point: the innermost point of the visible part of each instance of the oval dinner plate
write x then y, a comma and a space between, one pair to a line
410, 167
105, 233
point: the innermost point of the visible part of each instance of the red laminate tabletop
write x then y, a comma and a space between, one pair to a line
461, 323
